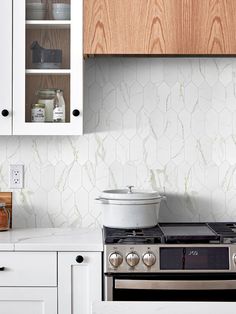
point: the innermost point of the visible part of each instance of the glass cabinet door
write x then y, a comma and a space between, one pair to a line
47, 67
6, 68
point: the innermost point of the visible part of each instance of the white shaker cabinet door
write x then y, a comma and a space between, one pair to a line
79, 281
6, 67
28, 300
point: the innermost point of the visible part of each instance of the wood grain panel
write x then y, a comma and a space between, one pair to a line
202, 27
35, 82
161, 33
98, 27
130, 26
6, 197
209, 26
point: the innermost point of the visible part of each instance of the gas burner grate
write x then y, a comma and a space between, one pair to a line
131, 236
226, 230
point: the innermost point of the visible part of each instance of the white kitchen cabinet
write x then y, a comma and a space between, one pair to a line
6, 67
46, 270
28, 282
33, 269
79, 281
66, 35
28, 300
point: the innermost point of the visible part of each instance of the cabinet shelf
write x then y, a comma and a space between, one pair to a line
48, 71
48, 24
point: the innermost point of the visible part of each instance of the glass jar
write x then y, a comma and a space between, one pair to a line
38, 113
46, 97
4, 217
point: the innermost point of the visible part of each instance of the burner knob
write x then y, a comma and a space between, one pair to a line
132, 259
149, 259
115, 259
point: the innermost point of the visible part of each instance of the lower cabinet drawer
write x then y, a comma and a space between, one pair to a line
30, 300
28, 269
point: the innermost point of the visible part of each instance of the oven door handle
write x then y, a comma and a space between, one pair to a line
175, 284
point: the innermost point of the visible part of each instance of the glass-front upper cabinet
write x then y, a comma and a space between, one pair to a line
6, 67
47, 67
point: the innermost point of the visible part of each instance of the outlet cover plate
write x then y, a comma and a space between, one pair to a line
16, 177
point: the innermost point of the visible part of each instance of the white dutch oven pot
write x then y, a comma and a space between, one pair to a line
129, 208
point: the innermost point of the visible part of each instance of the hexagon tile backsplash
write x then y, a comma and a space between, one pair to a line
150, 122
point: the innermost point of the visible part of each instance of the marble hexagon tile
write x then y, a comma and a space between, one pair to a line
167, 124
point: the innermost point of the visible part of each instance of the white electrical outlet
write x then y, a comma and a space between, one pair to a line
16, 178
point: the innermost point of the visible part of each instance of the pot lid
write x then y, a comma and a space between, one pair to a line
130, 194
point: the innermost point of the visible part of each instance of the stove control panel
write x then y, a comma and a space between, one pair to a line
180, 258
138, 258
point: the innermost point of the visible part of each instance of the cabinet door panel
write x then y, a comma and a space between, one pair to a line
28, 300
164, 27
28, 79
208, 26
79, 284
130, 26
6, 66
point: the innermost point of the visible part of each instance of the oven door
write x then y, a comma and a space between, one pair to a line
172, 287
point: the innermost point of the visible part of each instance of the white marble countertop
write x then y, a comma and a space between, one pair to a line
51, 239
163, 307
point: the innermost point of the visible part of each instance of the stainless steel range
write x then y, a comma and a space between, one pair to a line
182, 261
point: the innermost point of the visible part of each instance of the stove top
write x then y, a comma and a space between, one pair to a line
227, 231
130, 236
174, 233
171, 247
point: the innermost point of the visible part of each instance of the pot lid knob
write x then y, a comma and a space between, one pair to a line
129, 187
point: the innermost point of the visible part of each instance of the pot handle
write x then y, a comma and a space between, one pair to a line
101, 200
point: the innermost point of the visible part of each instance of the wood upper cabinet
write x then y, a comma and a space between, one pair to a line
208, 26
159, 27
130, 26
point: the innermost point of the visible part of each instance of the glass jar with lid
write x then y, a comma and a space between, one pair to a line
4, 217
46, 97
38, 113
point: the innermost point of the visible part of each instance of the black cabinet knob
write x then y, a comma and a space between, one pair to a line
76, 112
5, 112
2, 268
79, 259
